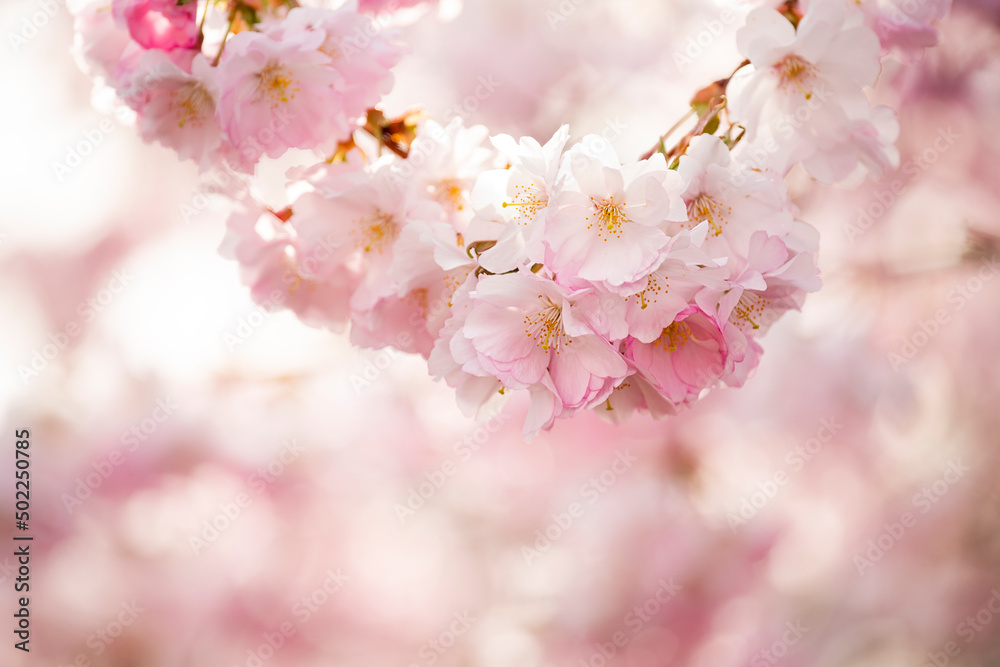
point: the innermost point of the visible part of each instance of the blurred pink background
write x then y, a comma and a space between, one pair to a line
214, 486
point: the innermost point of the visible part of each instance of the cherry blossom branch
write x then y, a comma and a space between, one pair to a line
540, 234
229, 28
707, 103
201, 24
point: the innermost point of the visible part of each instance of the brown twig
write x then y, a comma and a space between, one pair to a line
713, 98
232, 19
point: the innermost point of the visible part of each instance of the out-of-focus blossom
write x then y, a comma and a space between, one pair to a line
177, 108
803, 88
159, 24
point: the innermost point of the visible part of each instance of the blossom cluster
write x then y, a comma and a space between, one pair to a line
558, 269
300, 78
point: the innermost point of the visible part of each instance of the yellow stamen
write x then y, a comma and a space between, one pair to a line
529, 200
675, 336
705, 208
190, 102
545, 326
375, 233
611, 217
275, 85
798, 71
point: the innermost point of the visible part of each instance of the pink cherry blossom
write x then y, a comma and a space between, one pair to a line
353, 219
656, 300
271, 262
770, 281
527, 332
734, 203
512, 204
577, 278
177, 108
803, 89
826, 56
159, 24
690, 355
428, 267
452, 352
611, 219
100, 44
635, 394
901, 25
275, 95
358, 51
443, 164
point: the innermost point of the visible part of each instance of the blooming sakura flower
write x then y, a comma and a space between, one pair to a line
660, 296
177, 108
428, 267
271, 258
159, 24
803, 88
868, 140
826, 56
689, 355
99, 43
611, 219
275, 95
451, 350
361, 54
443, 165
527, 332
513, 203
353, 219
734, 203
429, 258
769, 281
635, 394
904, 25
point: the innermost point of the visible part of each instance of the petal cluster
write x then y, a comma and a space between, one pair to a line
553, 270
301, 78
558, 270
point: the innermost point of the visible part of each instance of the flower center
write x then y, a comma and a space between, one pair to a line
528, 200
452, 281
298, 280
376, 233
275, 84
545, 326
610, 215
797, 71
748, 310
675, 336
190, 103
705, 208
449, 193
331, 47
656, 285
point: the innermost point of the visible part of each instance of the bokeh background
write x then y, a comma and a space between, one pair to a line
213, 485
